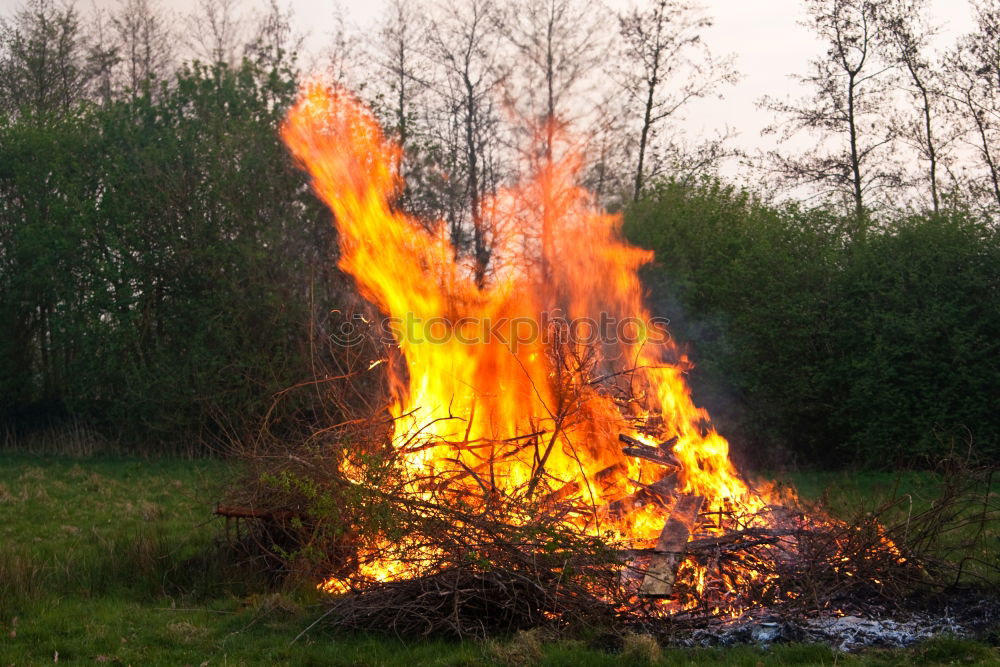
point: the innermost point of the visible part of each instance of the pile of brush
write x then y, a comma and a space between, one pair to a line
473, 567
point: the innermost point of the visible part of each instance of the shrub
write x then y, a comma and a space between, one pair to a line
880, 350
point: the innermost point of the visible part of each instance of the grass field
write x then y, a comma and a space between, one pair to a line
113, 560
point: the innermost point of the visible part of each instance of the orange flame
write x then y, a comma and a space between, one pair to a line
482, 380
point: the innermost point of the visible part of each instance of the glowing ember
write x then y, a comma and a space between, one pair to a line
504, 387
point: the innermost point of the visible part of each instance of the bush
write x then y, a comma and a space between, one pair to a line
157, 259
879, 350
916, 348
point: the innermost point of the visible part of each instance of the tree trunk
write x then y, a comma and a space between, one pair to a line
859, 206
472, 174
647, 121
928, 133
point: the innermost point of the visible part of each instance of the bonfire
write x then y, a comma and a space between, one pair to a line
544, 456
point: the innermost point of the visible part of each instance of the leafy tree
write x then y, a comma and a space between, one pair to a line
879, 350
725, 262
915, 343
157, 256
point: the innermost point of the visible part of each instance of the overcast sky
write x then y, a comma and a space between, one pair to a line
765, 36
770, 47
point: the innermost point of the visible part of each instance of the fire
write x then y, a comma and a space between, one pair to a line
506, 382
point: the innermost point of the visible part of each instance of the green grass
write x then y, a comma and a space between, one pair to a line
114, 560
101, 526
74, 498
969, 529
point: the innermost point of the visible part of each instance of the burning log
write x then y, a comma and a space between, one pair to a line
659, 579
659, 491
660, 454
738, 541
570, 489
651, 454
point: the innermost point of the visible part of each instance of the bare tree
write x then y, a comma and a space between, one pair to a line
973, 76
846, 111
344, 57
42, 58
216, 31
667, 66
103, 56
404, 66
559, 47
403, 33
274, 44
609, 164
145, 42
465, 44
906, 33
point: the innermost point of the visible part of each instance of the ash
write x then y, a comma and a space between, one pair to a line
843, 633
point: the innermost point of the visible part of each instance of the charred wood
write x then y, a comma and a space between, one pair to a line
659, 579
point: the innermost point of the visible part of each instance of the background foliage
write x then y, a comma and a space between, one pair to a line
165, 270
880, 349
159, 258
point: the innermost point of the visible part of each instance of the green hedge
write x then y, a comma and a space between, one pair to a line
880, 350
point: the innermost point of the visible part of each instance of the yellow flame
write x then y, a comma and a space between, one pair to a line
470, 399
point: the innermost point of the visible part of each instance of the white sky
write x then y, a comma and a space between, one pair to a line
769, 45
770, 48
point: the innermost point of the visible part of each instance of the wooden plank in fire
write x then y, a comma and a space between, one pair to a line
602, 477
660, 454
659, 491
669, 550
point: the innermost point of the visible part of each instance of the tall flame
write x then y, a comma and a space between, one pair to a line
483, 377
